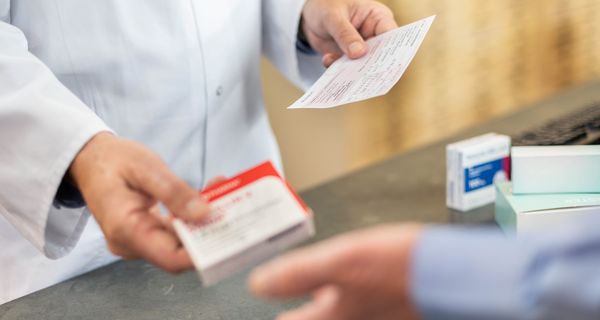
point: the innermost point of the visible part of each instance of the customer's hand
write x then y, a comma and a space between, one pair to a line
121, 182
336, 27
360, 275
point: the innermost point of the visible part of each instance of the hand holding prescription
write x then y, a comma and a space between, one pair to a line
359, 275
337, 27
374, 74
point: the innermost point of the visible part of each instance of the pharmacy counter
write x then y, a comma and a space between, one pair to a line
408, 187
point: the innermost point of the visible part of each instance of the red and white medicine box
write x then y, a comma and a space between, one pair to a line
253, 216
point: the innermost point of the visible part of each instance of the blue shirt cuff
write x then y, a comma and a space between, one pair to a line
467, 273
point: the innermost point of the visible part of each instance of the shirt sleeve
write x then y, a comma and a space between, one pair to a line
479, 273
281, 19
42, 127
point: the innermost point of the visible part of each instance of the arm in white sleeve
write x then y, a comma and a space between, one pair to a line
42, 127
478, 273
281, 20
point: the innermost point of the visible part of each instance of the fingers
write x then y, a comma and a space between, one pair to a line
140, 231
322, 307
329, 59
122, 182
153, 177
342, 26
163, 249
376, 21
155, 240
346, 36
144, 233
385, 25
165, 220
369, 21
160, 244
300, 272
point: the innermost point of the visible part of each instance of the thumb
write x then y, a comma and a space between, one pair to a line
347, 37
157, 180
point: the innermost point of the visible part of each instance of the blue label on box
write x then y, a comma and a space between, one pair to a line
483, 175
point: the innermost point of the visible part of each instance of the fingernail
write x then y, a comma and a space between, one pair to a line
356, 48
196, 208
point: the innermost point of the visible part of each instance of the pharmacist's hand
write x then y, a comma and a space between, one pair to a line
121, 181
360, 275
337, 27
214, 181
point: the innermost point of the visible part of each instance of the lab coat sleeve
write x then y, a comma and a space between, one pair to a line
42, 127
281, 19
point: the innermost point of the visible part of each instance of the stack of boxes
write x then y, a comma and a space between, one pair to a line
550, 186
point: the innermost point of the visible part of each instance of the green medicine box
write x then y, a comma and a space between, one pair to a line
517, 213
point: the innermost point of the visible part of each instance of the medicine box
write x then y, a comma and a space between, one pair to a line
556, 169
253, 216
517, 213
473, 166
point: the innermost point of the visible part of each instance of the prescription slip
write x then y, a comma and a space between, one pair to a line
372, 75
253, 216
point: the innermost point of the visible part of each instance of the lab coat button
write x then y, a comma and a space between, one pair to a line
219, 90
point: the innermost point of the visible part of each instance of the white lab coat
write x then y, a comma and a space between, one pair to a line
180, 76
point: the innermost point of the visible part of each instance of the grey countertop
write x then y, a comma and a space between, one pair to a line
407, 187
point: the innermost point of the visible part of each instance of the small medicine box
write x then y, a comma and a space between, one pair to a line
473, 166
253, 216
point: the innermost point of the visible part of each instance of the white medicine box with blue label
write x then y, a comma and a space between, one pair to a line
473, 166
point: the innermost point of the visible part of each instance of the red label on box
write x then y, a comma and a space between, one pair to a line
245, 178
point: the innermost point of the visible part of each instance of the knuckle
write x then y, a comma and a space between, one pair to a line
334, 21
383, 9
112, 248
383, 15
111, 239
347, 34
116, 250
144, 165
147, 167
169, 188
176, 196
331, 16
114, 233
